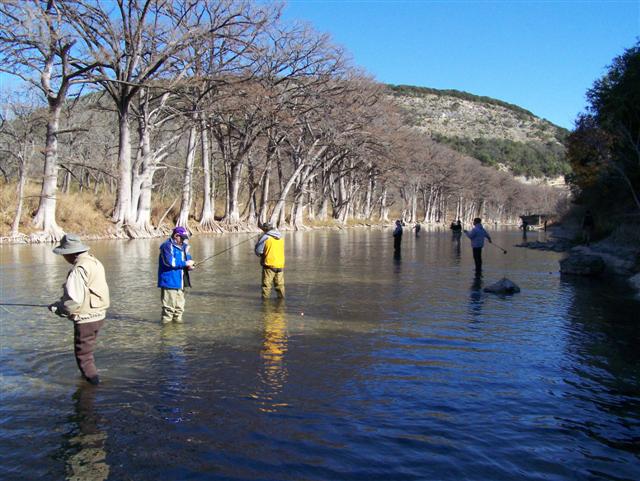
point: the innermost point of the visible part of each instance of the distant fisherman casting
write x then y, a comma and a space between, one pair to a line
477, 236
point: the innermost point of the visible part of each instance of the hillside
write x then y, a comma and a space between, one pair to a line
497, 133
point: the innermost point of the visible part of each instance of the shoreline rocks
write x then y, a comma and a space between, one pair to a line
580, 263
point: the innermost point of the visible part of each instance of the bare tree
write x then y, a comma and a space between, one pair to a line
37, 46
20, 126
134, 44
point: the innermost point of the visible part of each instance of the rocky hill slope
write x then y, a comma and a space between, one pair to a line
497, 133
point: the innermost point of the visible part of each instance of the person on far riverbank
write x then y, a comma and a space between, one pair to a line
270, 249
477, 236
84, 301
588, 226
174, 264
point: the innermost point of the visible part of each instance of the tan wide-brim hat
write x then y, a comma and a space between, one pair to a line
70, 244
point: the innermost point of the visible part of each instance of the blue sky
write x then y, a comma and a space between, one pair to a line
542, 55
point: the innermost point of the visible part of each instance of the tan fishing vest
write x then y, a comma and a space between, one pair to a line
96, 295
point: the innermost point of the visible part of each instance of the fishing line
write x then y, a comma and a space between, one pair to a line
223, 251
5, 309
22, 305
2, 304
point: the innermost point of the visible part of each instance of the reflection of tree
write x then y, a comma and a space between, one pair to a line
86, 453
274, 348
602, 345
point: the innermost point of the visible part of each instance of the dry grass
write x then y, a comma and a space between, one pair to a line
159, 208
8, 204
82, 213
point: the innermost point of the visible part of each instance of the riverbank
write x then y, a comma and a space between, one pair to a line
221, 229
88, 215
618, 254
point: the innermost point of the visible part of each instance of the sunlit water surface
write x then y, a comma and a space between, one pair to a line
374, 369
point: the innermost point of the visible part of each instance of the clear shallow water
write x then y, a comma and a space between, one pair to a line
373, 368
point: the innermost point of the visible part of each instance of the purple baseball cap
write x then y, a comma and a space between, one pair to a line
181, 231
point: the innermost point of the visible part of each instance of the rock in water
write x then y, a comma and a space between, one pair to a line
503, 286
581, 264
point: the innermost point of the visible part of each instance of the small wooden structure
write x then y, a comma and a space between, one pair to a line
535, 221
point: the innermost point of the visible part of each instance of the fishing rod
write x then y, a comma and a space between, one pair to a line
22, 305
223, 251
504, 251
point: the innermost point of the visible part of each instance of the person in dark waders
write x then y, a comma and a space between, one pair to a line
174, 264
270, 249
477, 236
397, 239
85, 301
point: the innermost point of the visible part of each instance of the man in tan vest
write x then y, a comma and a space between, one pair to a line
84, 301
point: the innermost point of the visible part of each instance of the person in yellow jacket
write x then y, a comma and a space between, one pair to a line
270, 249
85, 301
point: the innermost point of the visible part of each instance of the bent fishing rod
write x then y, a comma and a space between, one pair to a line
504, 251
225, 250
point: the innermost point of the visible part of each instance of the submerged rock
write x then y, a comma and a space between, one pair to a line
503, 286
635, 283
580, 264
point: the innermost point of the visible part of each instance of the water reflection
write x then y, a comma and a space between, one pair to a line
455, 240
273, 372
85, 450
174, 375
476, 299
385, 377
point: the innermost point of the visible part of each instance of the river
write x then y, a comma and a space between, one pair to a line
374, 368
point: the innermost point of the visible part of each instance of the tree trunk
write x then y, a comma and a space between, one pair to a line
233, 216
45, 218
279, 207
384, 210
122, 212
207, 216
15, 226
187, 194
264, 198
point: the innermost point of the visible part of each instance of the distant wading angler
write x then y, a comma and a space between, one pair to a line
270, 249
85, 301
477, 236
174, 264
397, 237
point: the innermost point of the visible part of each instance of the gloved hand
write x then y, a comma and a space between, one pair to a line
55, 308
